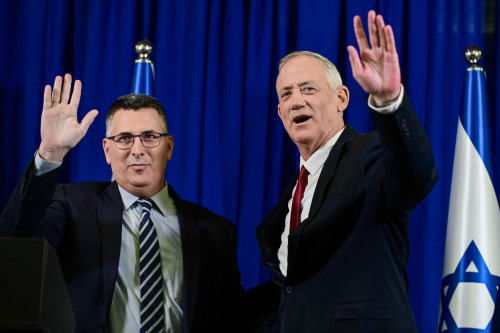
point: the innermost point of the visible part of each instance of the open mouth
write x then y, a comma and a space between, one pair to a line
301, 119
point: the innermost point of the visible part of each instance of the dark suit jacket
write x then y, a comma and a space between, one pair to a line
83, 222
347, 261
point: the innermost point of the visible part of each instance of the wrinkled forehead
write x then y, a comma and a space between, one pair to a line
300, 69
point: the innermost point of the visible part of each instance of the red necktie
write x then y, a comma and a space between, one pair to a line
297, 198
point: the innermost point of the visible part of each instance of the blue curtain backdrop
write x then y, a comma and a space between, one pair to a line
215, 65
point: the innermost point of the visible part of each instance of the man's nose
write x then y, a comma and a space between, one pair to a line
297, 99
137, 147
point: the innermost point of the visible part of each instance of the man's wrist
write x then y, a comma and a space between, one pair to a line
50, 155
389, 107
43, 166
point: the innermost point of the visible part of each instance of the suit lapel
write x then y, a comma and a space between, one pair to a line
329, 170
191, 252
110, 216
324, 181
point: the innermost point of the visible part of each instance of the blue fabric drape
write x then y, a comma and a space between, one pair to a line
215, 69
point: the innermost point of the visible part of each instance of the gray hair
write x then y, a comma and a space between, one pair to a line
135, 102
332, 74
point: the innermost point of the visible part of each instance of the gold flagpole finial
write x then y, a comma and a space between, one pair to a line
143, 49
473, 55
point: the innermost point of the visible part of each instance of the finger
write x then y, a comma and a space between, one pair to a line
390, 40
56, 92
360, 33
66, 90
88, 120
372, 29
47, 97
77, 93
381, 31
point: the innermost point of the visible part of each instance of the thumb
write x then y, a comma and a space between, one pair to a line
88, 120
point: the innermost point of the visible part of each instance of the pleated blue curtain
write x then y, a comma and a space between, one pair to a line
216, 65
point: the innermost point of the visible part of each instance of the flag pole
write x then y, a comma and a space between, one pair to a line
143, 79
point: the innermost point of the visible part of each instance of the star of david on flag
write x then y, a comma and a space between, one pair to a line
471, 270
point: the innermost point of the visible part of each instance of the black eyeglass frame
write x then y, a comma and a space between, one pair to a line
133, 136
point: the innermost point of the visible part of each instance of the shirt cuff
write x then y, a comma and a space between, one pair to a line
390, 108
42, 166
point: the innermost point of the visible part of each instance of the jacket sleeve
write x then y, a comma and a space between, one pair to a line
27, 213
409, 171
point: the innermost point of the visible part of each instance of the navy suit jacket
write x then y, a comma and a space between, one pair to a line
347, 261
83, 222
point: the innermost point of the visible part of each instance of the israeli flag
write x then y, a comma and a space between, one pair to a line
471, 271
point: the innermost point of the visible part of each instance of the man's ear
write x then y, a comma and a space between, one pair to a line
105, 147
343, 98
170, 146
279, 112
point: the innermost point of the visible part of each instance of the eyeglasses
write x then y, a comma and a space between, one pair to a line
126, 141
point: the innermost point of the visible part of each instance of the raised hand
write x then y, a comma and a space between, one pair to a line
59, 126
377, 70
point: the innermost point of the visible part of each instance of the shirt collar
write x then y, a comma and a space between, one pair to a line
318, 158
160, 199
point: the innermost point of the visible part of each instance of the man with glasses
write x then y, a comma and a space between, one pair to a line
135, 256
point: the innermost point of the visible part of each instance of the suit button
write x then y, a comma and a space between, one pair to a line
100, 326
288, 289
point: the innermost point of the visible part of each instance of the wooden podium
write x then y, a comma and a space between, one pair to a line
33, 295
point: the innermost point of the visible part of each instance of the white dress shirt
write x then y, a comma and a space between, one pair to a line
315, 165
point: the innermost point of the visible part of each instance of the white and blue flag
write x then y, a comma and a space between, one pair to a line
471, 270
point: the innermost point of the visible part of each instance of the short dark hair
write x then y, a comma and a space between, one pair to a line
135, 102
